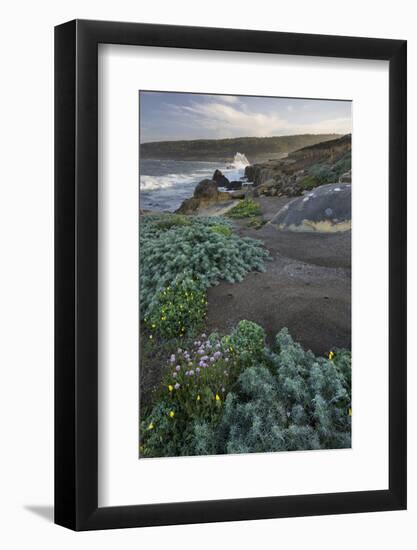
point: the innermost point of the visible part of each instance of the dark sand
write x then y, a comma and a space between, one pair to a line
306, 287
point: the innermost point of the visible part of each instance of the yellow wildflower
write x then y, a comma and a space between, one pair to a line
170, 387
331, 355
217, 397
151, 426
171, 414
198, 398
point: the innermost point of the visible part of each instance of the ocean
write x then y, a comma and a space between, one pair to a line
164, 184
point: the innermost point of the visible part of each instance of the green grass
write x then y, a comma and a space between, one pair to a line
221, 230
309, 182
247, 208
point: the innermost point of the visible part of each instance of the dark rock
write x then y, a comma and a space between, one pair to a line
234, 185
249, 172
220, 179
238, 194
265, 187
188, 206
206, 194
206, 189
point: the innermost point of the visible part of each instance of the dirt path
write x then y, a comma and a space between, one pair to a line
307, 287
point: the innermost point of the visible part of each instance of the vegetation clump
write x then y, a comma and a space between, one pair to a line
236, 395
172, 220
322, 173
256, 223
220, 229
310, 182
204, 251
177, 309
191, 396
247, 208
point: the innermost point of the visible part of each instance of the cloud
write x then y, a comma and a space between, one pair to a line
228, 98
230, 119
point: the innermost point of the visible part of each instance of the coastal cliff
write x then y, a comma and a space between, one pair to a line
304, 169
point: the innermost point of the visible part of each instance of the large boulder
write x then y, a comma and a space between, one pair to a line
326, 209
250, 172
220, 179
206, 194
206, 190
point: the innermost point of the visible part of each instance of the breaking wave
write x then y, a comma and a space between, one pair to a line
165, 184
240, 161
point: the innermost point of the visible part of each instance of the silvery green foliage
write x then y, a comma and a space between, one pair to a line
296, 402
285, 399
189, 248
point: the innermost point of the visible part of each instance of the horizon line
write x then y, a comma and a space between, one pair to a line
247, 137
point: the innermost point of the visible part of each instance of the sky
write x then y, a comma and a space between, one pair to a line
177, 116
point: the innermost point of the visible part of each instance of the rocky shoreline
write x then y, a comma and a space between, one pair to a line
292, 176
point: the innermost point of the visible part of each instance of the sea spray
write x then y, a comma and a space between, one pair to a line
240, 161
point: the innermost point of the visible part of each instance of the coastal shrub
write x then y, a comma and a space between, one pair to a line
246, 208
177, 309
221, 230
343, 165
172, 220
248, 341
323, 173
250, 399
195, 252
190, 400
300, 402
309, 182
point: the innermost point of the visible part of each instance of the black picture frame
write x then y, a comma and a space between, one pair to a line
76, 272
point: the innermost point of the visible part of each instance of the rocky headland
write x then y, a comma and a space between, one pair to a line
304, 169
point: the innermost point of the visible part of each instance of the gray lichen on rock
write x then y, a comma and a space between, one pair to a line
327, 209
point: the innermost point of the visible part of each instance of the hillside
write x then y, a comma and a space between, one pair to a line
304, 169
225, 149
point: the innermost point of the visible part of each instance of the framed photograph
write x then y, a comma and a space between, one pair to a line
230, 253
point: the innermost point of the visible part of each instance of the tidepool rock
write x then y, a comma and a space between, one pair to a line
234, 185
220, 179
206, 194
326, 209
